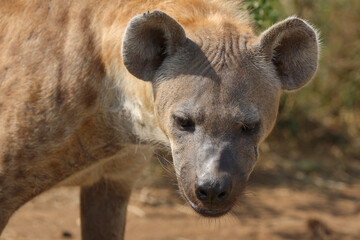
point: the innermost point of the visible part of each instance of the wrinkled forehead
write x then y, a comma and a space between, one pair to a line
233, 96
219, 77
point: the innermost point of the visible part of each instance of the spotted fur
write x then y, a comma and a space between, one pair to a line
88, 88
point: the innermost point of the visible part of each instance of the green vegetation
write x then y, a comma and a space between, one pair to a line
264, 12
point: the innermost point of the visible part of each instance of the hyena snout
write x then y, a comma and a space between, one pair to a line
212, 191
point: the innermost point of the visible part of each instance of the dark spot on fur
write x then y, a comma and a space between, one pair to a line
90, 97
56, 169
31, 155
59, 96
20, 174
59, 132
26, 154
41, 177
35, 93
2, 179
85, 20
43, 136
19, 156
60, 93
54, 165
7, 159
16, 190
23, 132
2, 198
8, 122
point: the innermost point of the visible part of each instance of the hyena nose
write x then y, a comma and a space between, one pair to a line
213, 191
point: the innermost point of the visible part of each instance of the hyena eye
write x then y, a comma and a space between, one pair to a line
250, 128
184, 124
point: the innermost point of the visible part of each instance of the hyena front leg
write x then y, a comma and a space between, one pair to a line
103, 210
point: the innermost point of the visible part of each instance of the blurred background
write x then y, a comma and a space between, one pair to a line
307, 181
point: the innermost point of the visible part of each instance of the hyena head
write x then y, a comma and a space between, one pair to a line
217, 95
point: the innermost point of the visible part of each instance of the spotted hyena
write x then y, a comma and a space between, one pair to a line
89, 87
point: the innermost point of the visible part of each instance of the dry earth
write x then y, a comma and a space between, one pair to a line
281, 202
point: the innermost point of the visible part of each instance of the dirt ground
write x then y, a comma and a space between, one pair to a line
282, 205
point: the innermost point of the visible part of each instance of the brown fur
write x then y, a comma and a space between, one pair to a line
72, 112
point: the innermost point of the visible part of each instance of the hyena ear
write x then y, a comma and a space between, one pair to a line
148, 39
292, 46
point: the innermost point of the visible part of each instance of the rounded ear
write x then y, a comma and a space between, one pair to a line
148, 39
292, 46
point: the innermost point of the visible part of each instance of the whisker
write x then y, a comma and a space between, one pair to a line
165, 165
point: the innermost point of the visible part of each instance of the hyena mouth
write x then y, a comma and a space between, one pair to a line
211, 213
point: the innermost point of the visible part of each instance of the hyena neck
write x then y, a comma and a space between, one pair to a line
138, 102
130, 99
131, 102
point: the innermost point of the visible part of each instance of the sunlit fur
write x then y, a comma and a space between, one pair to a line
72, 113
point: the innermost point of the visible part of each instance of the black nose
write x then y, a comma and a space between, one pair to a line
213, 191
